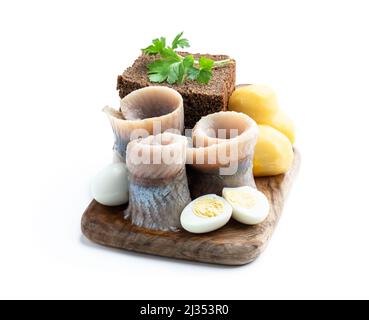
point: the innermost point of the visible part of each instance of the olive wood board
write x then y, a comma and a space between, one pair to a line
234, 244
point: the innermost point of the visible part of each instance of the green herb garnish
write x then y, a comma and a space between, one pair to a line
174, 68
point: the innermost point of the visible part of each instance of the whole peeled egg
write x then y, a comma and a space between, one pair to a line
110, 185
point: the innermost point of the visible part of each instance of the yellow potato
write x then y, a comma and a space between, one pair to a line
260, 103
273, 152
257, 101
282, 123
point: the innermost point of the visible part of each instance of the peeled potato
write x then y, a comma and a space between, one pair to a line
284, 124
260, 103
257, 101
273, 152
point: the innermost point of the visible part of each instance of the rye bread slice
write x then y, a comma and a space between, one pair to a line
199, 99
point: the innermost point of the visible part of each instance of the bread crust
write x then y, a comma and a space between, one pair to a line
199, 99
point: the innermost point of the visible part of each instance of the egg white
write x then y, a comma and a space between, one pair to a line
110, 185
195, 224
250, 216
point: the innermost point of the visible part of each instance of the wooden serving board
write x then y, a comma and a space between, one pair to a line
234, 244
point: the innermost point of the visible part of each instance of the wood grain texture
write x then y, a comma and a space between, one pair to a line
234, 244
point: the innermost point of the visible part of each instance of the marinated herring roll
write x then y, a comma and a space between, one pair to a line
222, 153
158, 190
147, 111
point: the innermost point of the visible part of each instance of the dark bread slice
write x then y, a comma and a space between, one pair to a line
199, 99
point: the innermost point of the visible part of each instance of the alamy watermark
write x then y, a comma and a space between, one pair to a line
213, 147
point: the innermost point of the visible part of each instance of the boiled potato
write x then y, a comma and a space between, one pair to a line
282, 123
273, 152
257, 101
260, 103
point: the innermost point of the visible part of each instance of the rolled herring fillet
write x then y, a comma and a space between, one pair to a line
158, 190
144, 112
222, 153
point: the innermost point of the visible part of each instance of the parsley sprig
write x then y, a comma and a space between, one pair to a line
174, 68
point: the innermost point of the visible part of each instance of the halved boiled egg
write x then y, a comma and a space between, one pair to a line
205, 214
249, 205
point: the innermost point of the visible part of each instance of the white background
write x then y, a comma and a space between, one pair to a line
58, 66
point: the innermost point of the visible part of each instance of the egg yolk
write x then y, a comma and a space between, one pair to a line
208, 207
242, 199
